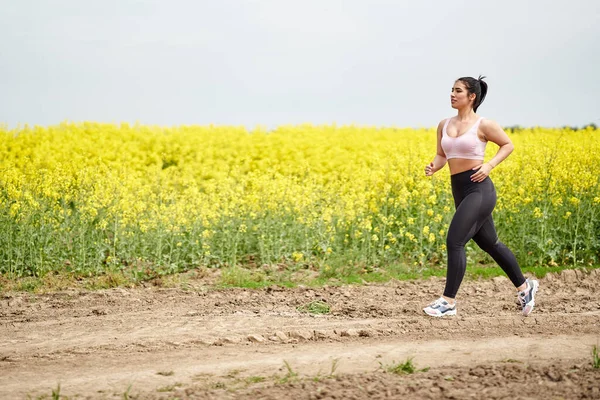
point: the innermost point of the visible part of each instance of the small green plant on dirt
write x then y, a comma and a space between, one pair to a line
56, 393
165, 373
595, 357
290, 376
168, 388
407, 367
241, 277
126, 393
29, 285
315, 307
218, 385
233, 373
54, 396
254, 379
334, 365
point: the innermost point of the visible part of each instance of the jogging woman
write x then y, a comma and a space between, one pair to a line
461, 142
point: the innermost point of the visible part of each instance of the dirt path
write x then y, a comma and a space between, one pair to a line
199, 343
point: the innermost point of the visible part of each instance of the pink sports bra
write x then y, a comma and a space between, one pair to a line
468, 145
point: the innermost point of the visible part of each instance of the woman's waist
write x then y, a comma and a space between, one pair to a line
460, 165
463, 179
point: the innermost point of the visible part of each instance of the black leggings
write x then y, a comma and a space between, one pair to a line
474, 202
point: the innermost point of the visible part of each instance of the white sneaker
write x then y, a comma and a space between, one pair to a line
526, 298
440, 308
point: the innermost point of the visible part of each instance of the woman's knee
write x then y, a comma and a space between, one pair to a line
454, 243
490, 245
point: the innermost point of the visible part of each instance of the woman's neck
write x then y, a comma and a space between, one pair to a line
465, 114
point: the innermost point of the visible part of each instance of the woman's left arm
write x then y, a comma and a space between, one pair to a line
493, 133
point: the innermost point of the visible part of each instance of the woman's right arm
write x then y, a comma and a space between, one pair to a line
440, 158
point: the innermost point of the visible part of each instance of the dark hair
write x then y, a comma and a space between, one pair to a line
476, 86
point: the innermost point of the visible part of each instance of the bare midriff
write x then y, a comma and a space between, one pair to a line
458, 165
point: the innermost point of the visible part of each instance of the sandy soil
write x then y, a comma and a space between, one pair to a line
153, 343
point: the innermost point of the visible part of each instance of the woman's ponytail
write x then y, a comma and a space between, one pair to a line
477, 86
483, 88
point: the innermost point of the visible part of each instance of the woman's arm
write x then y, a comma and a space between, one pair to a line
440, 158
492, 132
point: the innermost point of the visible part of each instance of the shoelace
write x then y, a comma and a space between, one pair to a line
439, 303
436, 303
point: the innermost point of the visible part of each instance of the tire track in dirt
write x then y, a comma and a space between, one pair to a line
110, 337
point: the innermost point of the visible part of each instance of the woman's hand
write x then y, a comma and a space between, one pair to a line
429, 169
483, 171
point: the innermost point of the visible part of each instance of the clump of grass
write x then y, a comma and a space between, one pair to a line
126, 393
218, 385
407, 367
315, 307
29, 284
165, 373
595, 357
168, 388
254, 379
237, 276
290, 376
334, 366
234, 373
56, 393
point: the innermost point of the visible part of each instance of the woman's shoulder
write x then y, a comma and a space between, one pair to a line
487, 123
443, 122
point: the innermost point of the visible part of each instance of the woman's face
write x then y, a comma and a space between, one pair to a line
460, 98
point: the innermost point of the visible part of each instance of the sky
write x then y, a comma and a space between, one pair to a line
289, 62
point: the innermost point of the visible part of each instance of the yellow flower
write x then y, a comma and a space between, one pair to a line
297, 256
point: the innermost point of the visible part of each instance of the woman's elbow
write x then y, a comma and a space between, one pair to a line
509, 147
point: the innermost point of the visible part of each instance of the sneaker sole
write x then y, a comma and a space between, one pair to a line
529, 308
447, 313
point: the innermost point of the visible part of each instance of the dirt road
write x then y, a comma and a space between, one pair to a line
153, 343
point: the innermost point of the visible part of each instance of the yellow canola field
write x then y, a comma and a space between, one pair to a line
93, 196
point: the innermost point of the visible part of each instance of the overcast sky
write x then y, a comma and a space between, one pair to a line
274, 62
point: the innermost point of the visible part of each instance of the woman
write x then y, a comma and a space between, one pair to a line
461, 141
